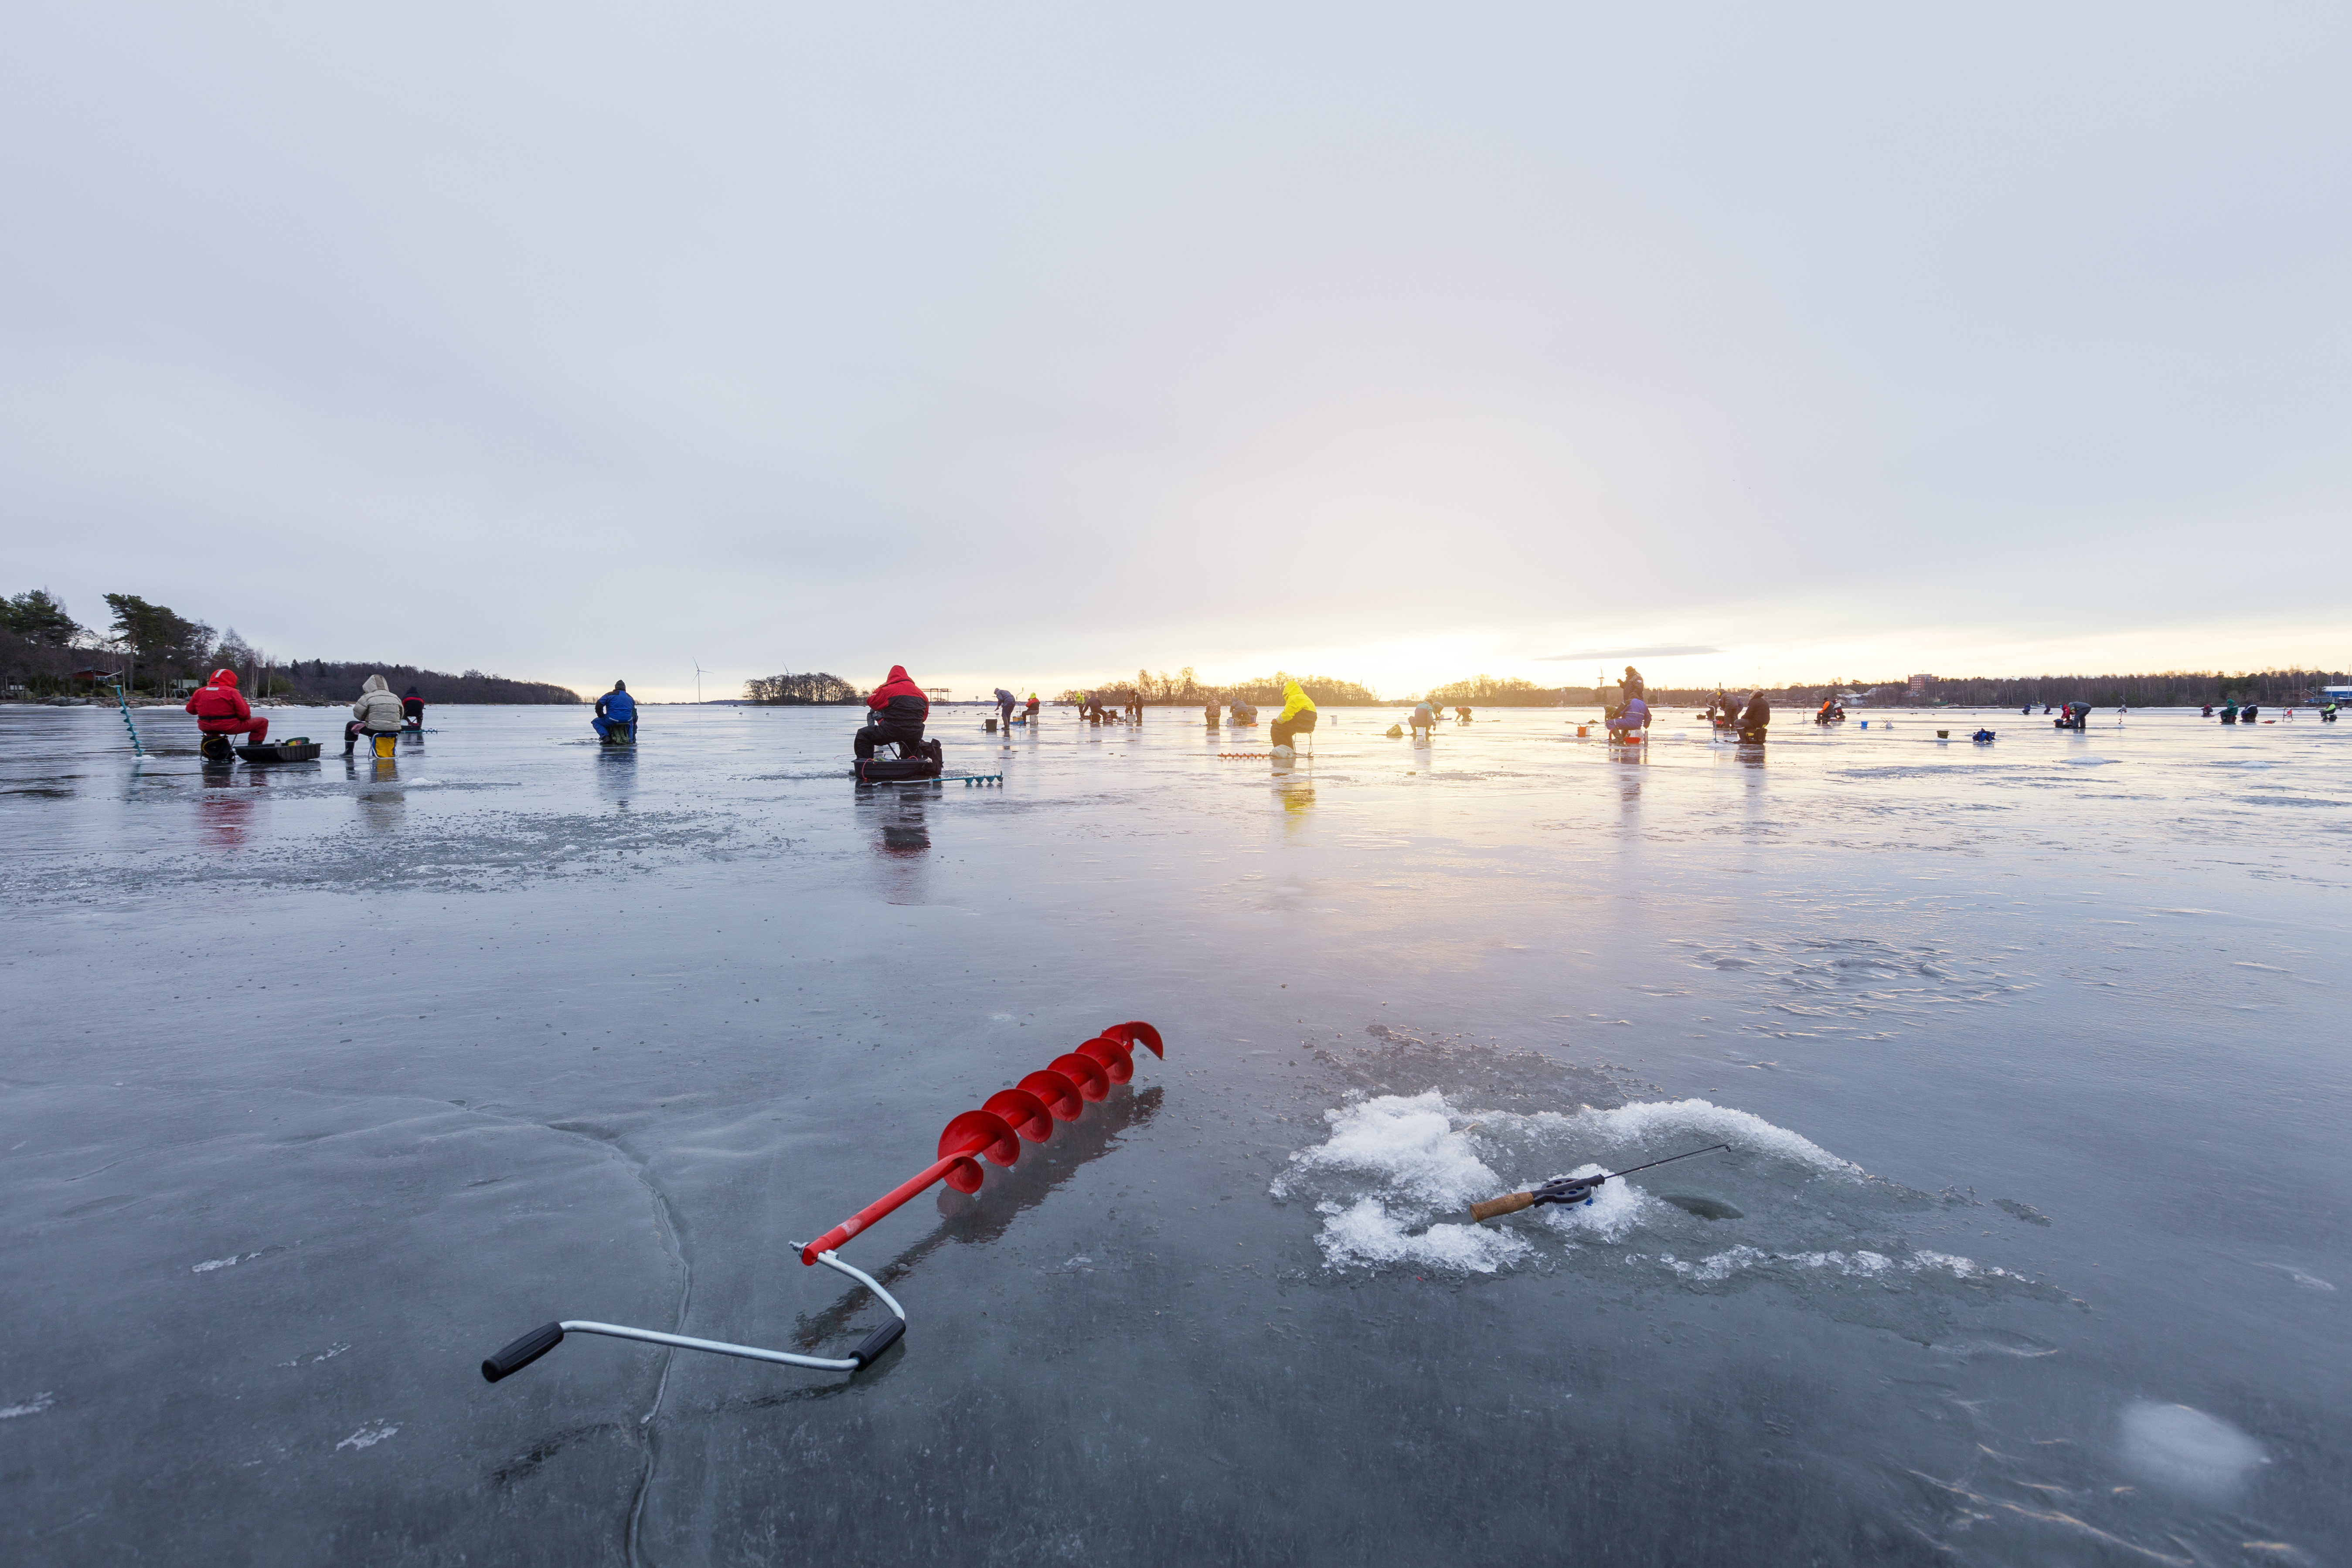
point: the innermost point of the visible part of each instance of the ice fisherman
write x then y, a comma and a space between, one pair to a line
897, 711
377, 713
220, 710
1030, 713
1005, 703
1754, 718
412, 709
1424, 720
1297, 716
1631, 686
1632, 714
615, 711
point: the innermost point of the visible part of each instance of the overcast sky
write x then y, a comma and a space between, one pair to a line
1032, 344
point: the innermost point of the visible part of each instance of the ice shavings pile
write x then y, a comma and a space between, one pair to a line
1640, 1125
1407, 1150
1394, 1181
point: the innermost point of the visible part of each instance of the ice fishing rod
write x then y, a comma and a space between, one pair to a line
1571, 1189
1060, 1093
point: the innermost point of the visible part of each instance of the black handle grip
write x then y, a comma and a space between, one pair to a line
522, 1352
880, 1339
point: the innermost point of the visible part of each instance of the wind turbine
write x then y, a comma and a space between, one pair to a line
698, 680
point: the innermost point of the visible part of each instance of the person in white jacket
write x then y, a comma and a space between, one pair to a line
377, 713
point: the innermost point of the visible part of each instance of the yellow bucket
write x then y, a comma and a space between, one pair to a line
384, 744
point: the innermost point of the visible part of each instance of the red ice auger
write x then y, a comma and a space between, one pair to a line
993, 1132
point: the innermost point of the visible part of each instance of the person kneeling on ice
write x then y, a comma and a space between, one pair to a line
616, 710
899, 709
220, 710
1297, 716
377, 713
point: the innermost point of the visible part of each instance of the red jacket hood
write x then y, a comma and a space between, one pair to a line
223, 678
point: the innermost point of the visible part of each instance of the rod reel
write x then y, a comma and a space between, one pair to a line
1570, 1190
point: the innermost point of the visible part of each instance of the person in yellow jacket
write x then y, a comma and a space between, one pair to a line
1298, 715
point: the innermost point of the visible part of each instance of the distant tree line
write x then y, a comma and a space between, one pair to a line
152, 648
1183, 689
2171, 688
800, 691
1485, 691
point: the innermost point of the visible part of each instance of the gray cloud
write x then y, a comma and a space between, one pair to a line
1050, 339
1661, 650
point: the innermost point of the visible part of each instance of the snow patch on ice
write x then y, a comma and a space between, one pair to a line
1394, 1178
1701, 1119
1368, 1234
33, 1407
1405, 1141
1858, 1264
2187, 1449
1419, 1165
231, 1261
368, 1436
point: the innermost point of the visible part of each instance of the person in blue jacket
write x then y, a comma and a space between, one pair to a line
616, 710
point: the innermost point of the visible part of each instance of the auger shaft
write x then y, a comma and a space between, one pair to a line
914, 1186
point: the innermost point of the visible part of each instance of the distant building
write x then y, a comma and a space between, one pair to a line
1919, 684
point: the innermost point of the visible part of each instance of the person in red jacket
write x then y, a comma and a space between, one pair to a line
898, 711
220, 710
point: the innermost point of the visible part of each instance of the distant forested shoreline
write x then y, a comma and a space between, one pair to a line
153, 650
2171, 688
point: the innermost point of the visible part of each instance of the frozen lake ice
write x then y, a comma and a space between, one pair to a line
323, 1082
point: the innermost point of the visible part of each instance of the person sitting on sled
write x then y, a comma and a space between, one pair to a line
899, 710
616, 710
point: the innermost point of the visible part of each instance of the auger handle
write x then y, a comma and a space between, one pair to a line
880, 1207
522, 1352
1510, 1202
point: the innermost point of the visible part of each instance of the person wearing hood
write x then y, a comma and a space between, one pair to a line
616, 710
1632, 714
1754, 718
412, 709
1424, 721
220, 710
377, 713
1004, 705
1030, 713
1298, 715
1631, 685
897, 711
